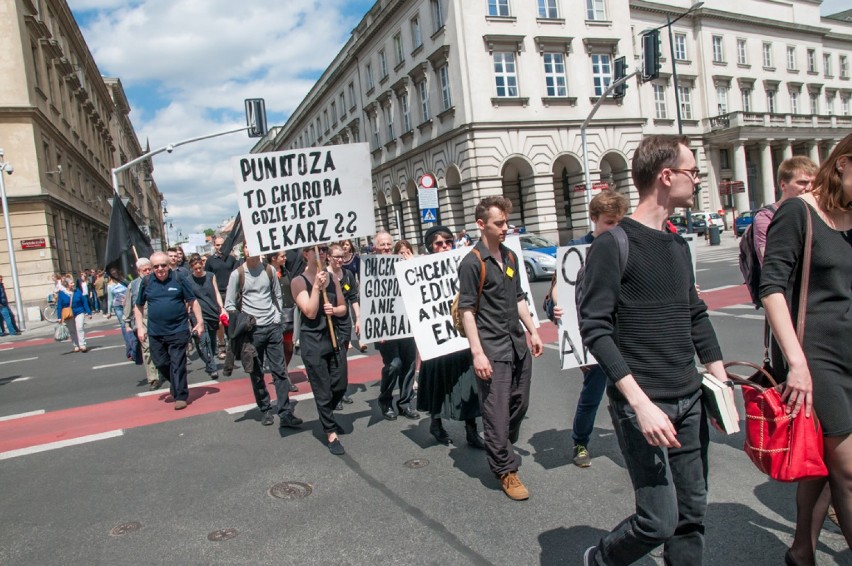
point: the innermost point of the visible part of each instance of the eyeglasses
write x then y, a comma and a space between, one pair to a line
337, 257
160, 265
442, 244
693, 172
323, 249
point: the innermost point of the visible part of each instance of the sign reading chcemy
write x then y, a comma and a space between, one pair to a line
293, 199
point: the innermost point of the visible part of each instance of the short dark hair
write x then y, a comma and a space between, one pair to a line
653, 154
195, 258
501, 203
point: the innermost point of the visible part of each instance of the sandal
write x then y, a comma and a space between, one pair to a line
76, 349
84, 350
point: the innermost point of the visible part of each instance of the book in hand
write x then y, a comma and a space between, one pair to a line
719, 400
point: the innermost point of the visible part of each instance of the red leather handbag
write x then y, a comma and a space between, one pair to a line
787, 449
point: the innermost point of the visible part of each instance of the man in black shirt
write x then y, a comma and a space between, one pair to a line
501, 359
220, 266
647, 353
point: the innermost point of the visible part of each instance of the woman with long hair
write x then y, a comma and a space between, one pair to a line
819, 376
351, 259
72, 296
447, 384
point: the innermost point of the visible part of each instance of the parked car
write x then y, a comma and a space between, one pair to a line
539, 256
712, 219
699, 225
743, 221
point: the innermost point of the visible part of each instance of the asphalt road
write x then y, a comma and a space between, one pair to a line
194, 487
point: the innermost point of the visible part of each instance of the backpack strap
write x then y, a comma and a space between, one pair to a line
273, 280
623, 246
481, 276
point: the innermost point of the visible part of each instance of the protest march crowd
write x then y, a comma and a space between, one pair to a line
476, 336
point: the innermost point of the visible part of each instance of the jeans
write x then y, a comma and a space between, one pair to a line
267, 341
10, 327
594, 385
169, 355
670, 486
206, 347
398, 358
118, 311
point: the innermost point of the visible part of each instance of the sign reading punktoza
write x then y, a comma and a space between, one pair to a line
293, 199
383, 314
429, 283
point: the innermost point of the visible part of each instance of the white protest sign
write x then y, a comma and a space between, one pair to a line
514, 244
293, 199
383, 314
429, 283
196, 242
572, 353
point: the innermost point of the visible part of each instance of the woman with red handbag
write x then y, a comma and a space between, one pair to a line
819, 375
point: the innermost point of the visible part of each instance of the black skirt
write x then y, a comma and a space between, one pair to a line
447, 387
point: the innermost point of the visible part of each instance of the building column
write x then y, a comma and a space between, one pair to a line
740, 174
711, 158
767, 173
813, 151
788, 150
541, 212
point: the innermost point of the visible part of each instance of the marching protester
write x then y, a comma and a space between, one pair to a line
320, 299
352, 319
352, 263
655, 400
278, 261
206, 291
819, 377
447, 385
71, 296
399, 357
116, 299
168, 297
254, 292
221, 266
403, 248
100, 286
606, 210
491, 314
143, 267
7, 321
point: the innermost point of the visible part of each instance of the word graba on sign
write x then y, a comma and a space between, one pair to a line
437, 284
383, 319
290, 213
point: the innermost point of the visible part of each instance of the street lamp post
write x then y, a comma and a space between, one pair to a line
7, 168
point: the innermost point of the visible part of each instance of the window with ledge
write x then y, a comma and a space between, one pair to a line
437, 15
313, 137
826, 64
601, 72
555, 80
499, 8
334, 112
342, 105
812, 61
660, 105
680, 47
685, 94
722, 99
595, 10
745, 96
383, 65
829, 103
772, 101
767, 55
742, 52
352, 99
374, 128
423, 95
844, 105
368, 77
405, 107
547, 9
794, 102
416, 34
398, 49
388, 115
814, 103
791, 58
718, 51
505, 74
446, 95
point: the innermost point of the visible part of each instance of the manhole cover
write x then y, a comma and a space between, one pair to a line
290, 490
125, 528
417, 463
222, 534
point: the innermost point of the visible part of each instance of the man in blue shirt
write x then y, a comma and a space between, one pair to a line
6, 319
168, 295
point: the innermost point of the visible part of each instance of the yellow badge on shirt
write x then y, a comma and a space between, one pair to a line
346, 286
510, 272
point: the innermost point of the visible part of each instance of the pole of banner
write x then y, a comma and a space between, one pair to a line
328, 318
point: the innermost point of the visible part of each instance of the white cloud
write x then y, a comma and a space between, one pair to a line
199, 59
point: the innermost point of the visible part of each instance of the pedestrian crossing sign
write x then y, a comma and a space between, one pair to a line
429, 214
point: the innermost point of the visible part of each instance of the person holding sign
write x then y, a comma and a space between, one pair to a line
399, 358
644, 326
447, 384
492, 308
319, 298
606, 210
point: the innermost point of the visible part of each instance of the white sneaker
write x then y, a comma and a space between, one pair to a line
589, 556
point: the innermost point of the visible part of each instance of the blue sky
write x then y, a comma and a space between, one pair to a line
187, 66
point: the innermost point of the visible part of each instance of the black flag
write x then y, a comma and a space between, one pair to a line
234, 237
123, 239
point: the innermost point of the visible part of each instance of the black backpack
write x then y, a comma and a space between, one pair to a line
749, 262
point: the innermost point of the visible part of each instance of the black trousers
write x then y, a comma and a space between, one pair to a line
503, 401
267, 342
327, 377
399, 358
169, 355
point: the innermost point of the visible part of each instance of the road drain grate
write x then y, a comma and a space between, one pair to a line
290, 490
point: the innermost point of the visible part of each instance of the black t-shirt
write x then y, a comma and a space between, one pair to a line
221, 267
206, 295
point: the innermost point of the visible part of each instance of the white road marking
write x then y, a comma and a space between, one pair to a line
127, 363
166, 390
552, 346
20, 360
356, 357
14, 379
111, 347
22, 415
250, 406
60, 444
749, 307
718, 288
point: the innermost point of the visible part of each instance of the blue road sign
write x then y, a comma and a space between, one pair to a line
429, 214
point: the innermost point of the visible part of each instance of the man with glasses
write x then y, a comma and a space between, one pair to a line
648, 354
220, 266
168, 297
143, 266
253, 290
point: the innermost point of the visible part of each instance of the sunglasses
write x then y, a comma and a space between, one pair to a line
160, 265
442, 243
323, 249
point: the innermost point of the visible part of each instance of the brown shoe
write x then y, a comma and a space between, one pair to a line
182, 405
513, 487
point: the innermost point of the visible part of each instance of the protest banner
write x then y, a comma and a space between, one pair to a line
429, 283
299, 198
514, 244
383, 314
195, 243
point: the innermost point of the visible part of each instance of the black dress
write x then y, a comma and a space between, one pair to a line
828, 324
447, 387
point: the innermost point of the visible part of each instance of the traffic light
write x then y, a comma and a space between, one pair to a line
651, 52
620, 73
256, 117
